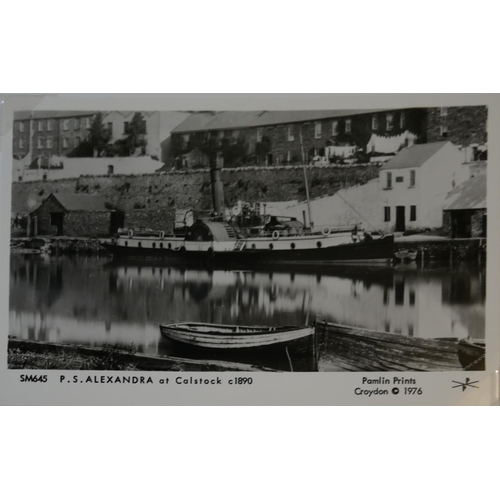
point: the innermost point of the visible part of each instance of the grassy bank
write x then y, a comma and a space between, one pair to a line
34, 355
20, 360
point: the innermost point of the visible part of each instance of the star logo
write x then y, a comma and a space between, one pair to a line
464, 385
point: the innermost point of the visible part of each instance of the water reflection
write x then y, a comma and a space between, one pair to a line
87, 300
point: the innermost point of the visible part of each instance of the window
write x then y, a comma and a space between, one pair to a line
389, 121
443, 111
40, 143
402, 120
49, 142
21, 126
76, 124
65, 143
40, 126
259, 134
20, 178
126, 127
412, 178
348, 126
388, 184
21, 144
289, 157
444, 130
400, 179
236, 136
412, 297
413, 213
77, 141
110, 127
387, 214
185, 140
317, 130
49, 125
291, 137
375, 123
87, 123
111, 169
220, 136
335, 127
44, 177
65, 124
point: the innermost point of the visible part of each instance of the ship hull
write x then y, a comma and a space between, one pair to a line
367, 251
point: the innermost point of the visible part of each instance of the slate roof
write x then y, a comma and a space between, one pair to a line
224, 120
42, 115
414, 156
470, 195
281, 117
194, 122
79, 202
233, 120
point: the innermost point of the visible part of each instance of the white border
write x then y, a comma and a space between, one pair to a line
295, 389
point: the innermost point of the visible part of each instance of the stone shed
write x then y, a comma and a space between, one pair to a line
464, 211
73, 215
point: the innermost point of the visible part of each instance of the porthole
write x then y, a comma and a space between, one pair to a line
318, 244
271, 246
292, 246
161, 245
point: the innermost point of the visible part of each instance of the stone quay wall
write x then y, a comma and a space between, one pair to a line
149, 199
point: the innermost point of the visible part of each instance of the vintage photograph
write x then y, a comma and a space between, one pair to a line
289, 241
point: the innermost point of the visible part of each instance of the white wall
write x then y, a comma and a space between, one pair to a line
433, 181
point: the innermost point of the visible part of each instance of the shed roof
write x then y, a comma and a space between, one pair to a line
413, 156
79, 202
470, 195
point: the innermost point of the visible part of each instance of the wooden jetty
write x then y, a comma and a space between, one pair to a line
357, 349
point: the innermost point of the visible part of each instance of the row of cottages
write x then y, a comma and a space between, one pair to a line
62, 214
409, 193
39, 137
275, 138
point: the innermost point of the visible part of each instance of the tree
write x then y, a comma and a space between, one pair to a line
99, 136
135, 137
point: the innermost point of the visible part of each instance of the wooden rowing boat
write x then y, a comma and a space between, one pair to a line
211, 336
472, 355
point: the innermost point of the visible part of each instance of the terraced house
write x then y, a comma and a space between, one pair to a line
46, 134
338, 137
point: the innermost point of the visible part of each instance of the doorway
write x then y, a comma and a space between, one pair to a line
57, 221
400, 219
269, 159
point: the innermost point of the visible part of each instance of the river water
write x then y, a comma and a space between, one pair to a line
93, 301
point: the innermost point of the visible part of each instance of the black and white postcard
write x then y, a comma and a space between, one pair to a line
211, 249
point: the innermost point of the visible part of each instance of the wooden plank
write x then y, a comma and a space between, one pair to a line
358, 349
